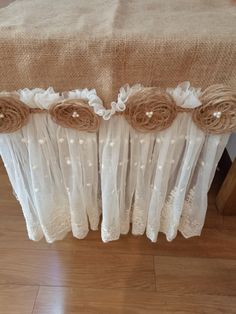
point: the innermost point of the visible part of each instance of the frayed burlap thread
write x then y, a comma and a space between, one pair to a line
13, 114
75, 114
38, 110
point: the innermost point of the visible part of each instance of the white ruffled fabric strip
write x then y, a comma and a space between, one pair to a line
113, 155
156, 181
194, 210
15, 156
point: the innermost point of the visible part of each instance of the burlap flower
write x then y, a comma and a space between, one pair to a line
13, 114
217, 114
76, 114
150, 109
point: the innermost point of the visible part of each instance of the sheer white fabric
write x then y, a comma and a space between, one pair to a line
154, 182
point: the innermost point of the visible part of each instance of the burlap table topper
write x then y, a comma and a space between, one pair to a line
117, 137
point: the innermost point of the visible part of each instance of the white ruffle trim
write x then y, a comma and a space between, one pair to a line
40, 98
123, 95
184, 95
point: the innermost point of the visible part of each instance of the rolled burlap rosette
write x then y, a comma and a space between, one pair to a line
13, 114
75, 114
150, 109
217, 114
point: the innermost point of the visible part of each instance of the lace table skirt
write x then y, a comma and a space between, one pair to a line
65, 179
143, 161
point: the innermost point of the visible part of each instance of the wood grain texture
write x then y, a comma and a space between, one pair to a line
17, 299
40, 267
229, 222
52, 300
181, 275
195, 275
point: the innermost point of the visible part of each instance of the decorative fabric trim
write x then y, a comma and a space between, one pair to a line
13, 114
218, 111
150, 109
146, 109
89, 96
75, 114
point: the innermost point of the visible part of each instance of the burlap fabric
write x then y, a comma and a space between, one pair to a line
105, 44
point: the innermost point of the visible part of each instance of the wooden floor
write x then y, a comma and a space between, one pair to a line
131, 275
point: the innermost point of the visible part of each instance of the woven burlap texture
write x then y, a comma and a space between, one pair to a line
106, 44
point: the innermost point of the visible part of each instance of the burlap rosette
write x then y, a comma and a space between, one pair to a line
150, 109
75, 114
217, 114
13, 114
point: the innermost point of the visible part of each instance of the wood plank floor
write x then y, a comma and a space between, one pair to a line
132, 275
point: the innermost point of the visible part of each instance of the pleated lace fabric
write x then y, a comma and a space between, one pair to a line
67, 180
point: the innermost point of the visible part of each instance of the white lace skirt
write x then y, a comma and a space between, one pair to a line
67, 180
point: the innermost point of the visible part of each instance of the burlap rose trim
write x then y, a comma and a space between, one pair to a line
217, 114
13, 114
150, 109
147, 109
75, 114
